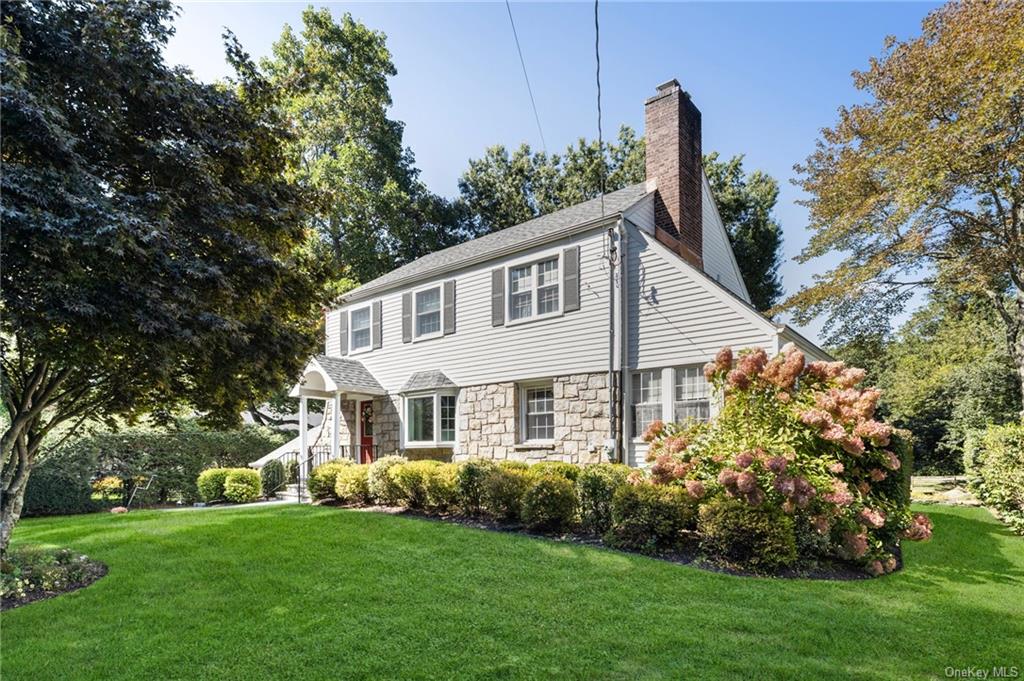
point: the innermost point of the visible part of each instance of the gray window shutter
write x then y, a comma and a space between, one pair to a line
406, 317
571, 278
449, 307
375, 336
498, 297
343, 331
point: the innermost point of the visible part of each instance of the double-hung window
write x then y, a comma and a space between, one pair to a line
692, 396
538, 415
647, 399
428, 312
533, 289
360, 328
430, 419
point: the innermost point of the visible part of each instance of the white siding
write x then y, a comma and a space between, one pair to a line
675, 317
719, 261
477, 352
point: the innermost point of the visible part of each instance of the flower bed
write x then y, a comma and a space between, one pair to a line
30, 574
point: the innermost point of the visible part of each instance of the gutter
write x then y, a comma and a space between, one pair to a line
357, 294
620, 435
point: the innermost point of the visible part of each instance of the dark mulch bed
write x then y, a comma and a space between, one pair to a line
88, 572
688, 554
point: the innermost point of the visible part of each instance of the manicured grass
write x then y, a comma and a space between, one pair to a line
300, 592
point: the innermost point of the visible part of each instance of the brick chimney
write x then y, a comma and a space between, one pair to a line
672, 130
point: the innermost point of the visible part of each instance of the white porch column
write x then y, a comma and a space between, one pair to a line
336, 427
303, 438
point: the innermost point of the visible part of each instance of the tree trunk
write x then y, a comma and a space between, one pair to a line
13, 496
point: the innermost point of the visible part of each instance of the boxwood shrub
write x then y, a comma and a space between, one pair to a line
442, 488
595, 487
566, 470
650, 518
410, 480
503, 490
758, 538
322, 479
383, 489
242, 485
549, 504
211, 483
472, 475
351, 484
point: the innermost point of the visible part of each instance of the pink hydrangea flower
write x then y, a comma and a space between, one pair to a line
892, 462
855, 545
836, 468
816, 418
920, 528
695, 488
710, 369
751, 363
878, 433
834, 433
727, 477
755, 497
872, 517
785, 486
853, 445
654, 430
744, 459
738, 379
875, 568
746, 482
776, 464
675, 444
877, 474
864, 488
840, 494
820, 524
850, 377
723, 360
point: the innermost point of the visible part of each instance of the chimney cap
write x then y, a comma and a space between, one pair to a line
668, 86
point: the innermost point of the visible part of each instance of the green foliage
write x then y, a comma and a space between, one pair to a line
242, 485
211, 483
33, 571
370, 210
383, 489
60, 486
761, 539
351, 485
560, 468
109, 487
291, 472
323, 478
595, 486
550, 504
442, 488
649, 518
272, 477
411, 480
994, 461
503, 189
472, 474
503, 490
510, 464
919, 186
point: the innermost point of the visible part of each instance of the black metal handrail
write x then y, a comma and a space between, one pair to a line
315, 456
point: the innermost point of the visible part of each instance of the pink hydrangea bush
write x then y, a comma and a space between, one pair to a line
802, 437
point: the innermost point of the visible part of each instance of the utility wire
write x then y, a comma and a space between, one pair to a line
522, 61
600, 140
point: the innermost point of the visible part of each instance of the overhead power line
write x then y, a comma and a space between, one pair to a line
526, 76
600, 140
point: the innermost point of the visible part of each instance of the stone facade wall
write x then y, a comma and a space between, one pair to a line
348, 424
489, 425
386, 423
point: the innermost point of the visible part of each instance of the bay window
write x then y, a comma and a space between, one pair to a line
430, 419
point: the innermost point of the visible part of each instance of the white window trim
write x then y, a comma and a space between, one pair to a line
668, 396
532, 261
523, 428
352, 350
437, 441
416, 336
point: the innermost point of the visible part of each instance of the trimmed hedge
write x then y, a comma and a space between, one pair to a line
649, 518
472, 475
211, 483
323, 478
566, 470
351, 484
503, 490
994, 462
442, 488
549, 504
242, 485
758, 538
59, 487
410, 479
383, 489
595, 487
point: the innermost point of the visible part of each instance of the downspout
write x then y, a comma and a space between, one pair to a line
612, 413
623, 340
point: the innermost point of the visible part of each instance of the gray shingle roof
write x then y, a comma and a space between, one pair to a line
350, 375
526, 233
427, 380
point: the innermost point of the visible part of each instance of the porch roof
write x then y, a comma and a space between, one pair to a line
427, 380
325, 374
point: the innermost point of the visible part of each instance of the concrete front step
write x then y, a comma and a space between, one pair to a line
291, 493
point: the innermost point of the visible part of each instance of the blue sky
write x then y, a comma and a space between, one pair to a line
766, 76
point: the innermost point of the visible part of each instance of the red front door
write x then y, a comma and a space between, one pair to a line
366, 432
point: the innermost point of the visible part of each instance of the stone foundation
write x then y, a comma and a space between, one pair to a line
489, 418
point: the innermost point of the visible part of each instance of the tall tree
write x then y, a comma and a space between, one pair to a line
503, 189
370, 208
154, 252
922, 187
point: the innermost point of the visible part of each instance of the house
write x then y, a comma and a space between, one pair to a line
561, 338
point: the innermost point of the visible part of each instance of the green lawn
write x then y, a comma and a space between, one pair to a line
303, 592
